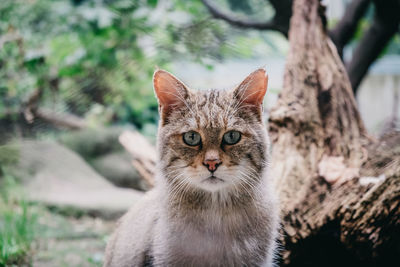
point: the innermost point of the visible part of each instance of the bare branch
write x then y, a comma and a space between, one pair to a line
383, 27
344, 30
32, 111
283, 13
218, 14
60, 120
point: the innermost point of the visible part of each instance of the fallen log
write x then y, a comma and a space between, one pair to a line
143, 153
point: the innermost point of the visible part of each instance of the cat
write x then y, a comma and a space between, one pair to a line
213, 204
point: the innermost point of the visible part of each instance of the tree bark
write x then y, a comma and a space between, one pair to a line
316, 115
332, 215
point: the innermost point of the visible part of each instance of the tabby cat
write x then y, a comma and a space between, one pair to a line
213, 204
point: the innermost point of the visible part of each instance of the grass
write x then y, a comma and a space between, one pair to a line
34, 235
18, 223
31, 234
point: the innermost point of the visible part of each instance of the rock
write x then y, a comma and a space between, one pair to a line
58, 177
117, 168
102, 150
93, 142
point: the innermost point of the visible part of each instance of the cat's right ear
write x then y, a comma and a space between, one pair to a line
170, 91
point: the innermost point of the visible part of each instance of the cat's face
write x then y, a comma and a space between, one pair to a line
211, 140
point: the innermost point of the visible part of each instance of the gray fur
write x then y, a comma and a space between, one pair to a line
186, 222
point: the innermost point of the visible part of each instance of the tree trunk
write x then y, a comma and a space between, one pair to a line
331, 216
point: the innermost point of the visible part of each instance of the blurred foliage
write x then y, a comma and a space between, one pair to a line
257, 10
82, 55
95, 58
18, 225
9, 154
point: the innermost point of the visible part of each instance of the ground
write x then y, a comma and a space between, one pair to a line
69, 241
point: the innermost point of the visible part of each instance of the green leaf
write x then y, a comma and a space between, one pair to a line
152, 3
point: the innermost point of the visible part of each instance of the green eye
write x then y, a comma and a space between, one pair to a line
232, 137
192, 138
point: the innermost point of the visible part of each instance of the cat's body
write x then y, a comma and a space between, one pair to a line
213, 204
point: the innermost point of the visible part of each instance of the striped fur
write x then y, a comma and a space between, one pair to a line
187, 221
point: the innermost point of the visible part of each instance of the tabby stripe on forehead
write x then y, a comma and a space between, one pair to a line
219, 103
210, 97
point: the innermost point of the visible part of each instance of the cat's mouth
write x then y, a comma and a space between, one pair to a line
213, 179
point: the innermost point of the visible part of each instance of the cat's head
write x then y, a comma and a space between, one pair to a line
211, 140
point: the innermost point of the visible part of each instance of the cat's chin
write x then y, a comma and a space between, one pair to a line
213, 180
212, 184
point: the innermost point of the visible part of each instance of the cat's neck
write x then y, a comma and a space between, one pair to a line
221, 212
197, 201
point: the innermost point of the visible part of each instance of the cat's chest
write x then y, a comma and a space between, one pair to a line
212, 246
212, 238
208, 242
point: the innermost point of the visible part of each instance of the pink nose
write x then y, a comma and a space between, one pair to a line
212, 164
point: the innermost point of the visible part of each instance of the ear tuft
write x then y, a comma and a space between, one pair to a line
252, 90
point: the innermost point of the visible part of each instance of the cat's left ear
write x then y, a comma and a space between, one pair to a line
170, 91
252, 90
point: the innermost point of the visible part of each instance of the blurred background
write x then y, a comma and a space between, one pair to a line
76, 91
